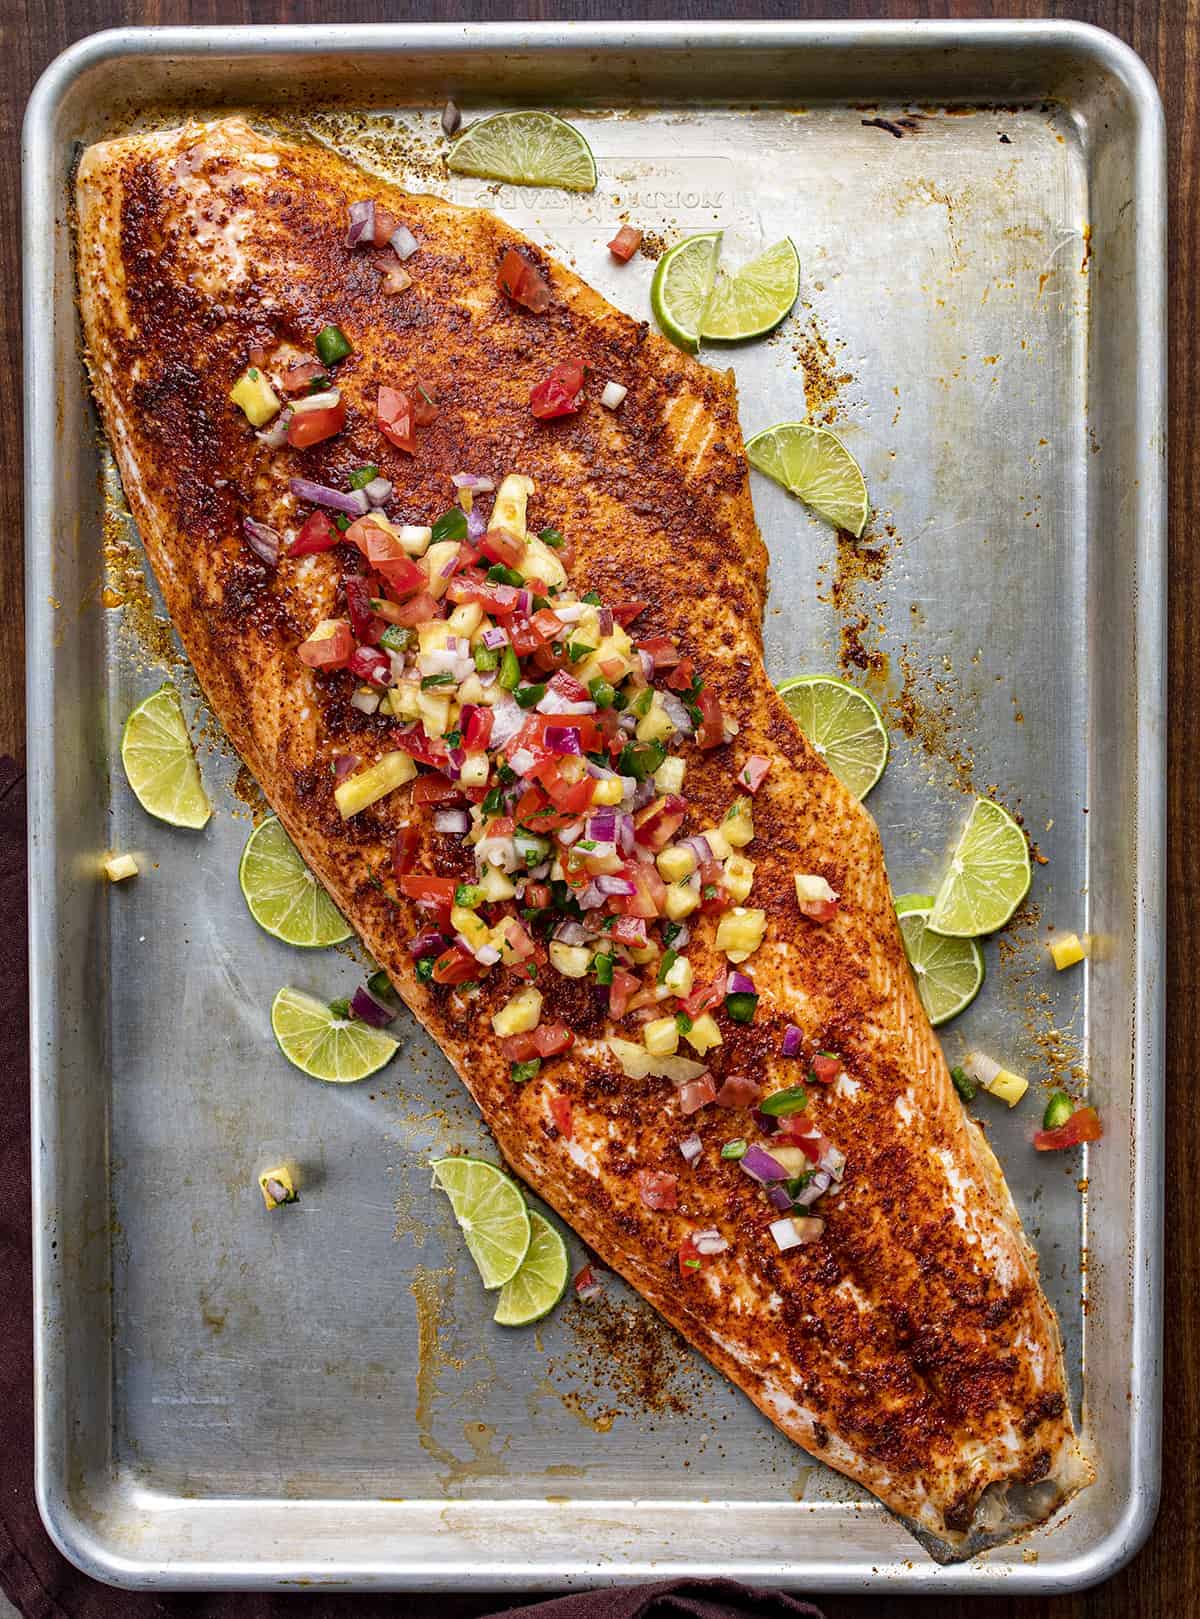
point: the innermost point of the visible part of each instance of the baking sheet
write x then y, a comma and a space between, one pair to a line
227, 1399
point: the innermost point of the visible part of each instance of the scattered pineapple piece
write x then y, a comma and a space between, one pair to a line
473, 928
740, 932
668, 778
370, 785
738, 825
571, 960
475, 770
656, 723
496, 886
278, 1187
704, 1033
682, 899
522, 1013
811, 888
1065, 952
999, 1082
608, 792
661, 1037
739, 877
675, 862
678, 977
415, 538
254, 395
119, 866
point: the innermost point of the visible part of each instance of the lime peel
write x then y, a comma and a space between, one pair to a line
325, 1046
541, 1279
841, 724
491, 1215
282, 895
160, 763
948, 973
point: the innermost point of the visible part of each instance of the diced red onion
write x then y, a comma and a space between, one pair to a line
451, 119
356, 503
778, 1198
538, 872
368, 1010
455, 821
613, 395
321, 401
817, 1187
563, 739
508, 718
602, 826
760, 1166
676, 712
567, 835
343, 765
699, 846
472, 481
792, 1041
643, 792
615, 885
275, 437
487, 955
378, 491
647, 663
554, 703
625, 833
569, 612
795, 1233
450, 568
498, 852
586, 1285
524, 601
362, 224
691, 1147
737, 983
628, 723
682, 935
606, 621
571, 932
429, 943
522, 760
589, 897
833, 1162
404, 243
766, 1122
476, 527
263, 541
709, 1242
494, 638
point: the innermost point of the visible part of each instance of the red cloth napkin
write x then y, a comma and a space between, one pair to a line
33, 1574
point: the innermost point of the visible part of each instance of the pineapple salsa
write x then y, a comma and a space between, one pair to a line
544, 734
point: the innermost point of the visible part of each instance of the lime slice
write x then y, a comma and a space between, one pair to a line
283, 895
528, 148
491, 1214
159, 763
756, 298
683, 281
948, 972
988, 876
842, 724
325, 1046
541, 1280
814, 464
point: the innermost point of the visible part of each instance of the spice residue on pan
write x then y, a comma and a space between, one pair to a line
1024, 980
151, 637
247, 791
381, 143
627, 1355
928, 709
825, 375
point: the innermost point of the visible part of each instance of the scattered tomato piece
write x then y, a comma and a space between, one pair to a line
394, 417
1083, 1125
559, 394
313, 426
523, 283
625, 243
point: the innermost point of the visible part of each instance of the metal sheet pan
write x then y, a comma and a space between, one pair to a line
230, 1400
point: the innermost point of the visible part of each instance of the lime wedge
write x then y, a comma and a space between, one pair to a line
948, 972
160, 766
528, 148
756, 298
988, 876
283, 895
683, 281
814, 464
842, 724
541, 1280
491, 1214
325, 1046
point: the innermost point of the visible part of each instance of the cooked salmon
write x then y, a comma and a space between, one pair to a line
909, 1345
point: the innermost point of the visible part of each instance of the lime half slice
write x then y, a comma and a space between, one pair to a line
814, 464
491, 1214
541, 1280
988, 876
842, 724
755, 299
160, 765
528, 148
683, 282
323, 1044
948, 972
283, 895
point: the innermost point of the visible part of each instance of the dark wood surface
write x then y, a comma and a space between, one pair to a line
1163, 1582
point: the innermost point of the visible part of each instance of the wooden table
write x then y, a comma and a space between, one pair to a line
1163, 1582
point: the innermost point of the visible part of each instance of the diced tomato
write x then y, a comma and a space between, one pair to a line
425, 409
367, 663
801, 1134
658, 823
549, 1039
537, 896
548, 659
624, 613
560, 1112
739, 1090
566, 686
500, 545
332, 652
714, 894
819, 910
518, 1047
571, 798
435, 790
312, 426
696, 1093
754, 772
367, 626
656, 1188
1083, 1125
825, 1069
394, 418
384, 552
525, 639
630, 930
296, 378
414, 741
440, 889
559, 394
586, 1284
663, 653
625, 243
681, 676
317, 533
645, 997
523, 283
690, 1258
620, 991
477, 727
385, 224
531, 738
548, 624
711, 733
404, 850
456, 966
420, 609
704, 997
466, 557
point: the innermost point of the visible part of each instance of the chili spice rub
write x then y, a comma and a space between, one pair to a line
526, 739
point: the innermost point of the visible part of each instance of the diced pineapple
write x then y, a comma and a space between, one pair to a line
540, 562
678, 977
433, 708
472, 691
473, 928
668, 778
717, 842
571, 960
520, 1014
794, 1159
1065, 952
437, 557
608, 792
641, 954
496, 886
661, 1037
703, 1034
415, 538
370, 785
278, 1186
739, 877
465, 619
509, 507
655, 725
740, 932
615, 648
811, 888
254, 395
475, 770
404, 700
997, 1081
682, 899
675, 862
432, 637
738, 825
119, 866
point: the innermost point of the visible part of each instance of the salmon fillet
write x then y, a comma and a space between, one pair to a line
911, 1346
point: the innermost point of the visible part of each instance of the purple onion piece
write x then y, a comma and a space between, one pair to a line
676, 712
792, 1041
524, 601
275, 436
691, 1147
647, 663
378, 491
451, 119
615, 885
760, 1166
343, 765
404, 243
602, 827
709, 1242
495, 638
429, 943
571, 932
355, 504
563, 739
589, 897
476, 526
263, 541
473, 482
817, 1187
362, 225
606, 621
778, 1198
368, 1010
738, 984
766, 1122
455, 821
487, 955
